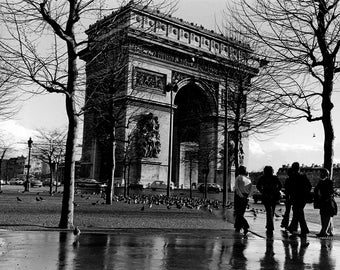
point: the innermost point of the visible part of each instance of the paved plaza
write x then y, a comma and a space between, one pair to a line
124, 236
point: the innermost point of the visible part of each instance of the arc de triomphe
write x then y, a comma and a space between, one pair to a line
155, 91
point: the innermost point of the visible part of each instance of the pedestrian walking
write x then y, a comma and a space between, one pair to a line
243, 188
324, 200
269, 186
288, 202
300, 194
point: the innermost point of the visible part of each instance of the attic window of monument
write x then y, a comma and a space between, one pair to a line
174, 31
207, 42
196, 39
216, 46
151, 23
163, 27
186, 35
138, 19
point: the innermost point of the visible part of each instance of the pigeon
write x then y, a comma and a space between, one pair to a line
37, 199
142, 209
18, 199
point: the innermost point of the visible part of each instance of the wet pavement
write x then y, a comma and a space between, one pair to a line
184, 240
142, 249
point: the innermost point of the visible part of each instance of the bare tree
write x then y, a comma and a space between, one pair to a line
8, 95
250, 107
41, 45
4, 149
49, 147
301, 40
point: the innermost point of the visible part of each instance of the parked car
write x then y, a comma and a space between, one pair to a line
89, 182
16, 181
90, 185
36, 183
136, 185
257, 195
211, 187
158, 184
47, 182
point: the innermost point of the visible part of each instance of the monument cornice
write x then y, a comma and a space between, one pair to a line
181, 57
154, 26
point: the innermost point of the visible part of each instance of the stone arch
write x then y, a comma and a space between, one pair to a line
194, 133
207, 89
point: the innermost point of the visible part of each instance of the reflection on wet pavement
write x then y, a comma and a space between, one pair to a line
147, 250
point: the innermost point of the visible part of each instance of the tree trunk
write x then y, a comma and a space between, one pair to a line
327, 107
190, 177
237, 120
1, 159
51, 177
110, 184
66, 220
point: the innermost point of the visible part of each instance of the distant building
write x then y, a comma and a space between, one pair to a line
312, 172
15, 168
11, 168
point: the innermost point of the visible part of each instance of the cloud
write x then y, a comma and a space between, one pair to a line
276, 154
255, 148
296, 147
15, 136
15, 132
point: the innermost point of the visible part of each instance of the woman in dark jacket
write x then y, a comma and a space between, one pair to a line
269, 186
323, 196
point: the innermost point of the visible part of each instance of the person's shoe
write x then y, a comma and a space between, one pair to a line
330, 234
237, 230
245, 231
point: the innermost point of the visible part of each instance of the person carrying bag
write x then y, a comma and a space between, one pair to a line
324, 200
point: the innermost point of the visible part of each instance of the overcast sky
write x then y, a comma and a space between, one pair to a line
301, 142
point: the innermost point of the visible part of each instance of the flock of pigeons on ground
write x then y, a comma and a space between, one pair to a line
154, 200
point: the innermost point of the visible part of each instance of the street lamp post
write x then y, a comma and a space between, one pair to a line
225, 196
27, 185
170, 88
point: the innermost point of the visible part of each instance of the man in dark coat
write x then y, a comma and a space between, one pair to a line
299, 193
269, 186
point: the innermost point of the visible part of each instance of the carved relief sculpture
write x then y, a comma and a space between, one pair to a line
148, 139
149, 80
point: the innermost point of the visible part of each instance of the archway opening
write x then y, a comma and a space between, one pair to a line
193, 134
